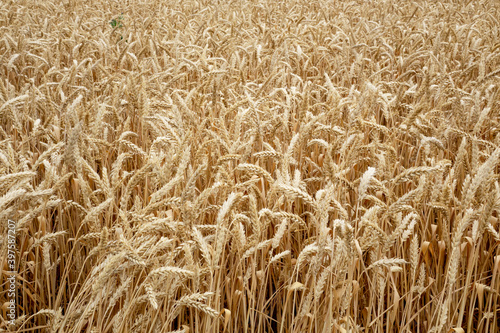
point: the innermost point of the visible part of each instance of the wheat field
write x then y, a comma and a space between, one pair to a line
251, 166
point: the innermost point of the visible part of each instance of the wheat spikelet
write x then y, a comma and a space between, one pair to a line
295, 193
97, 210
320, 284
414, 256
226, 207
151, 296
72, 149
11, 196
409, 229
170, 270
220, 243
291, 217
482, 174
48, 238
279, 233
387, 263
400, 204
254, 216
306, 252
493, 232
254, 169
416, 171
205, 249
46, 255
365, 182
267, 154
279, 256
239, 237
199, 306
238, 218
305, 305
